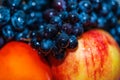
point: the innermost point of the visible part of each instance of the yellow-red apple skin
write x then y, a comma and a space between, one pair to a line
97, 57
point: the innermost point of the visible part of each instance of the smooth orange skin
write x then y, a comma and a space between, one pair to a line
96, 58
18, 61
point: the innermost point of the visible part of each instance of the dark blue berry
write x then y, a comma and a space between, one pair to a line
93, 19
105, 9
102, 22
4, 15
46, 45
73, 17
55, 20
63, 15
50, 31
35, 43
63, 40
84, 18
41, 31
77, 29
59, 5
66, 27
85, 6
7, 32
49, 13
73, 42
59, 53
18, 20
22, 36
14, 3
72, 5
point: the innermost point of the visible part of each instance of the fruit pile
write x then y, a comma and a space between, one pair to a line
55, 25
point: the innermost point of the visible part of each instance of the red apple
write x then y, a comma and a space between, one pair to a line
18, 61
97, 57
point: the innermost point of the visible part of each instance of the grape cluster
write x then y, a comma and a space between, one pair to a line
52, 26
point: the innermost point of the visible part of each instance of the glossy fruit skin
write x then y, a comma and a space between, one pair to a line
96, 58
18, 61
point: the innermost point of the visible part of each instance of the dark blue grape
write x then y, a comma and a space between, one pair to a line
85, 6
93, 19
59, 53
66, 27
7, 32
73, 17
35, 43
37, 4
49, 13
41, 31
105, 9
84, 18
46, 45
14, 3
4, 15
102, 22
24, 35
77, 29
63, 15
59, 5
55, 20
63, 40
118, 13
34, 19
18, 20
114, 4
72, 5
73, 42
117, 29
50, 31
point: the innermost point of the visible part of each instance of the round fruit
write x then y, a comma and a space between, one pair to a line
97, 57
18, 61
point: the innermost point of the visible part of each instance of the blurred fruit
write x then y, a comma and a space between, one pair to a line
97, 57
18, 61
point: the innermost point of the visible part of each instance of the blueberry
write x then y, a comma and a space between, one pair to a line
59, 5
93, 19
55, 20
4, 15
35, 43
105, 9
72, 5
59, 53
77, 29
73, 17
46, 45
34, 19
102, 22
18, 20
85, 6
63, 15
63, 40
84, 18
50, 31
37, 4
21, 36
41, 31
14, 3
49, 13
66, 27
7, 32
117, 29
73, 42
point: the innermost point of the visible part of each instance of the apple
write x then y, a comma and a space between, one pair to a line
18, 61
97, 57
